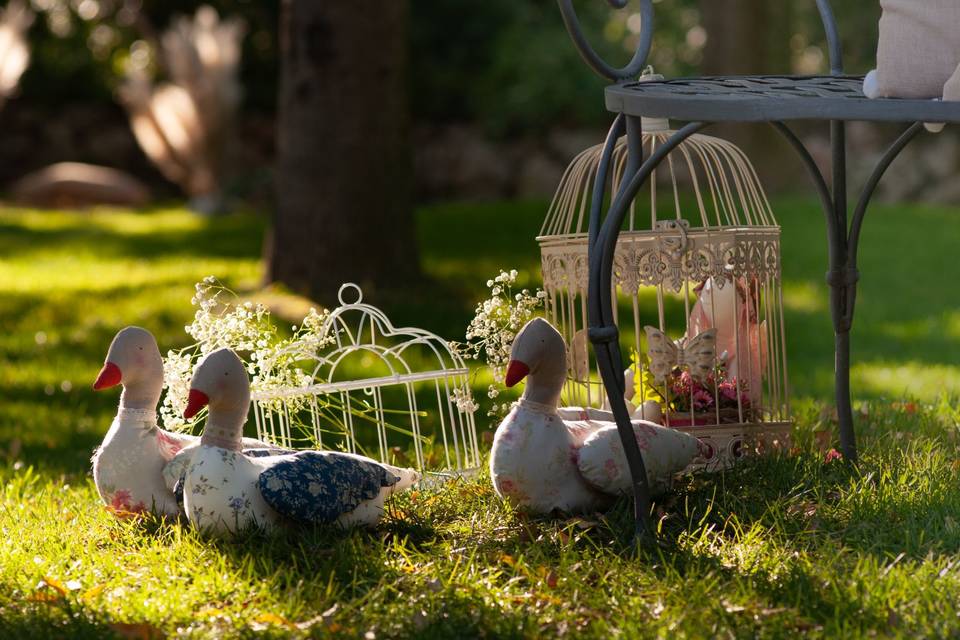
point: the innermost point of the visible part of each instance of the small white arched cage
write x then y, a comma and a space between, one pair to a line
397, 394
697, 285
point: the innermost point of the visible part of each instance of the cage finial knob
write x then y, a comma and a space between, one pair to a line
349, 286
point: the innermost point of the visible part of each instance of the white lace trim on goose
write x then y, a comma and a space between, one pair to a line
222, 442
148, 416
537, 407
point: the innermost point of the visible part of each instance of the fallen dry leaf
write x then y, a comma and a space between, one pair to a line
552, 579
45, 596
92, 592
52, 583
733, 608
274, 619
583, 523
806, 509
123, 513
823, 439
210, 612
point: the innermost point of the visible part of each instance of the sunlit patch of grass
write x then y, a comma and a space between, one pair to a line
804, 297
905, 379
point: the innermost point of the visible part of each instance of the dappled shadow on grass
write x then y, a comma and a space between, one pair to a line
743, 545
887, 505
366, 572
57, 619
58, 432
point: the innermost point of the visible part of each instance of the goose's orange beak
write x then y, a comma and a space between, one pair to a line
195, 401
110, 376
516, 371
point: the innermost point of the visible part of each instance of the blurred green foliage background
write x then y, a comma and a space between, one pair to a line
505, 65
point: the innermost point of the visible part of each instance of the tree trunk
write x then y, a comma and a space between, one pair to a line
746, 36
751, 37
344, 168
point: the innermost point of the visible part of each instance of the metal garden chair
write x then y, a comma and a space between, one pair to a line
837, 98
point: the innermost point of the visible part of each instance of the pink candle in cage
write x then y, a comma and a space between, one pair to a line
731, 309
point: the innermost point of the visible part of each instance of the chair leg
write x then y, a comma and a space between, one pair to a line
842, 279
843, 274
841, 303
843, 243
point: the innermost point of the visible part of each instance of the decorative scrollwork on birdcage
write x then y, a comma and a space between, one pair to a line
707, 257
641, 260
397, 394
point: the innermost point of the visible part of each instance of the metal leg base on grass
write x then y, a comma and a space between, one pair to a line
843, 243
600, 304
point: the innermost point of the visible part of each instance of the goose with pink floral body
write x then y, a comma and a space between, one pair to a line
543, 462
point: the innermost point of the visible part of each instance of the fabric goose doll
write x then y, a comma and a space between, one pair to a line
128, 465
533, 462
543, 462
226, 491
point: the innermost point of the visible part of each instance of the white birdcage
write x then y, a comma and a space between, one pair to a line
400, 395
699, 284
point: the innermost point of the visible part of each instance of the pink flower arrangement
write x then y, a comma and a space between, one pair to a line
717, 398
716, 392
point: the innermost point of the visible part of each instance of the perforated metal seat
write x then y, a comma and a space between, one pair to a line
770, 98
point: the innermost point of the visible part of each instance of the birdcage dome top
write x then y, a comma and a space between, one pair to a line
706, 215
707, 181
356, 327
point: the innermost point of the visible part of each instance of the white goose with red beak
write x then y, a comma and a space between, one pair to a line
225, 491
129, 465
542, 462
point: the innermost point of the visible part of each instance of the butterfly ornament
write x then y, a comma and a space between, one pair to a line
698, 354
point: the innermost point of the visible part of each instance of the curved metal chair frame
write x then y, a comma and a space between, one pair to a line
702, 101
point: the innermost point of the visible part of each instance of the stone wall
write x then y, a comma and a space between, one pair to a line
455, 162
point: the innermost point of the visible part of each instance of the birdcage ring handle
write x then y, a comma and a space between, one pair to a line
349, 286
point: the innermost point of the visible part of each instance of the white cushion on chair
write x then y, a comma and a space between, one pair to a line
919, 47
951, 90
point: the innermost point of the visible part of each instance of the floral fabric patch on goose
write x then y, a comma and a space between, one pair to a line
320, 486
181, 468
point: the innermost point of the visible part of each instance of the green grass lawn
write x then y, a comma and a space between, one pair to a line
777, 547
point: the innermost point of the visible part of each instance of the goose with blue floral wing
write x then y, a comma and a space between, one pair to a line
226, 490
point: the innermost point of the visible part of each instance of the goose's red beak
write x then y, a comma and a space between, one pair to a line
110, 376
516, 371
195, 401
